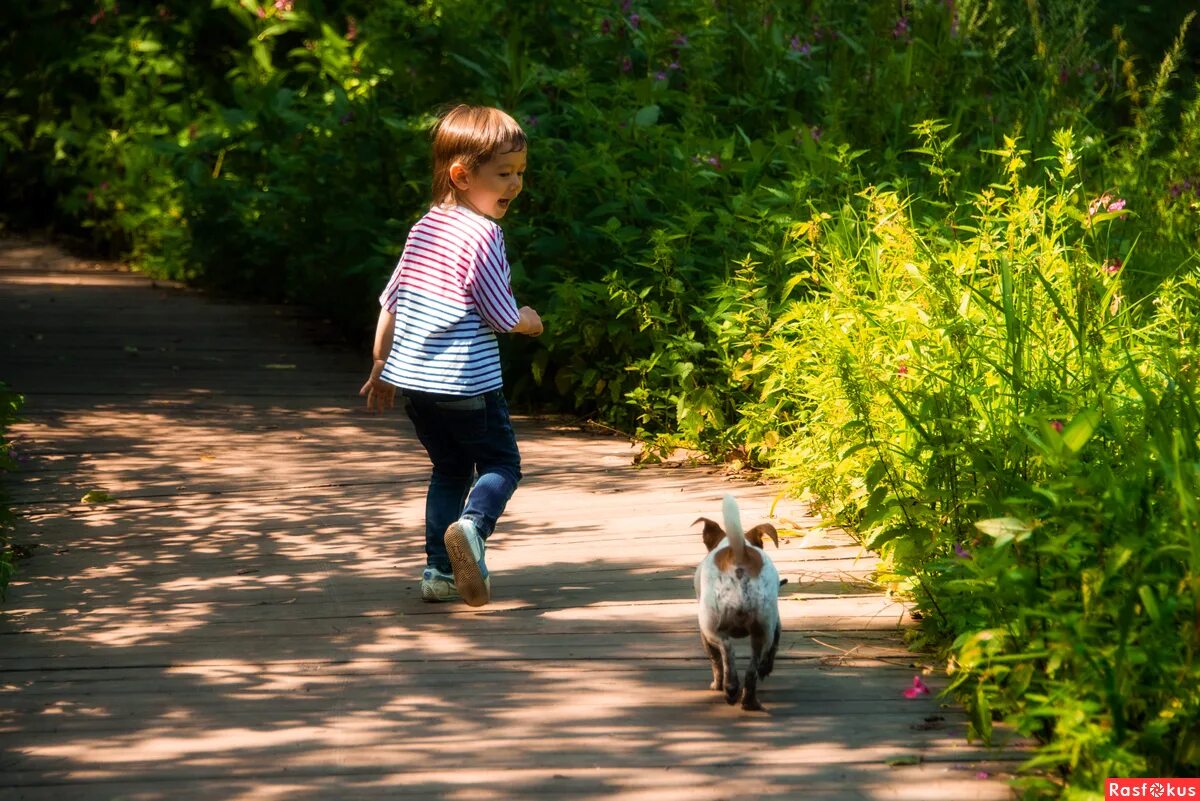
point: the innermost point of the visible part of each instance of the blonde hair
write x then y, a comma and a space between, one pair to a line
470, 135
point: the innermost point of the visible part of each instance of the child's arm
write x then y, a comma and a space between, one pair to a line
530, 323
380, 394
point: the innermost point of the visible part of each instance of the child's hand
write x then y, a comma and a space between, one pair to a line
530, 323
380, 394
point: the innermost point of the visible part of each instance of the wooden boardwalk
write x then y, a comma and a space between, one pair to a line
242, 622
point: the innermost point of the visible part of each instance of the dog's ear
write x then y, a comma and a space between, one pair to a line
755, 535
713, 533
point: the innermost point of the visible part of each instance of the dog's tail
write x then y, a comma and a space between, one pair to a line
733, 528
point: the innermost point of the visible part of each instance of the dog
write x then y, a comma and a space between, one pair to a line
737, 587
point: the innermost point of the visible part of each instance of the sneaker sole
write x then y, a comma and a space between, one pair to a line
430, 596
467, 577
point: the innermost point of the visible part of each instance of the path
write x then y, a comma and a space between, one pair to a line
243, 622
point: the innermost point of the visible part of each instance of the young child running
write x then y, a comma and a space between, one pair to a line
436, 342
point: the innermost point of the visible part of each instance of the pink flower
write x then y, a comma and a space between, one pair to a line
1113, 267
816, 132
626, 65
634, 21
351, 29
1099, 204
917, 689
982, 774
901, 29
1106, 202
961, 552
902, 370
681, 40
715, 162
660, 76
1057, 425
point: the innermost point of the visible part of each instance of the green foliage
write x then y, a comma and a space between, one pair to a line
10, 405
929, 262
1021, 444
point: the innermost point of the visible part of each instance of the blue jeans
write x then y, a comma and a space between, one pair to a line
476, 464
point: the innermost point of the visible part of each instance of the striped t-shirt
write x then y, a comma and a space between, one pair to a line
450, 293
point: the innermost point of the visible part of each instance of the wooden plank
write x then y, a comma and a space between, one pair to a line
858, 782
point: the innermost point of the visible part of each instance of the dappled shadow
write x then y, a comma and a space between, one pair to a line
242, 621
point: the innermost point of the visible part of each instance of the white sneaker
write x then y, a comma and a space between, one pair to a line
466, 549
437, 586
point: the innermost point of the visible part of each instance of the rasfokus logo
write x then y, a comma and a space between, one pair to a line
1151, 788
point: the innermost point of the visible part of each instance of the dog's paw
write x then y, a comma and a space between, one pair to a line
717, 684
732, 692
752, 705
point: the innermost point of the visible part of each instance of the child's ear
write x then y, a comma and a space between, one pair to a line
460, 176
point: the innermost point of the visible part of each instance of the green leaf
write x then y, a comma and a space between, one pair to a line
538, 366
1149, 603
471, 65
647, 116
1080, 429
1005, 528
981, 714
903, 759
96, 496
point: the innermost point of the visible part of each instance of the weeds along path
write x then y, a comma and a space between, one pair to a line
237, 616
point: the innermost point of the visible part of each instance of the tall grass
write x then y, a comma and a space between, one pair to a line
1019, 442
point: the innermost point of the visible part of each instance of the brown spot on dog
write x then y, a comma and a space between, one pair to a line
726, 561
712, 534
755, 535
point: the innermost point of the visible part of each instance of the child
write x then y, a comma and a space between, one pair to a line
435, 340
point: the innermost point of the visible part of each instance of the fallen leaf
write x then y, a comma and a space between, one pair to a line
96, 496
903, 759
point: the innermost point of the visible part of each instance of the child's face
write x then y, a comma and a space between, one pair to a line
493, 186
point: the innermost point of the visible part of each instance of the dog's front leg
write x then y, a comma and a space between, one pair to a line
718, 667
732, 685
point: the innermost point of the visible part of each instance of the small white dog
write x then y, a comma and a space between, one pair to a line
738, 589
